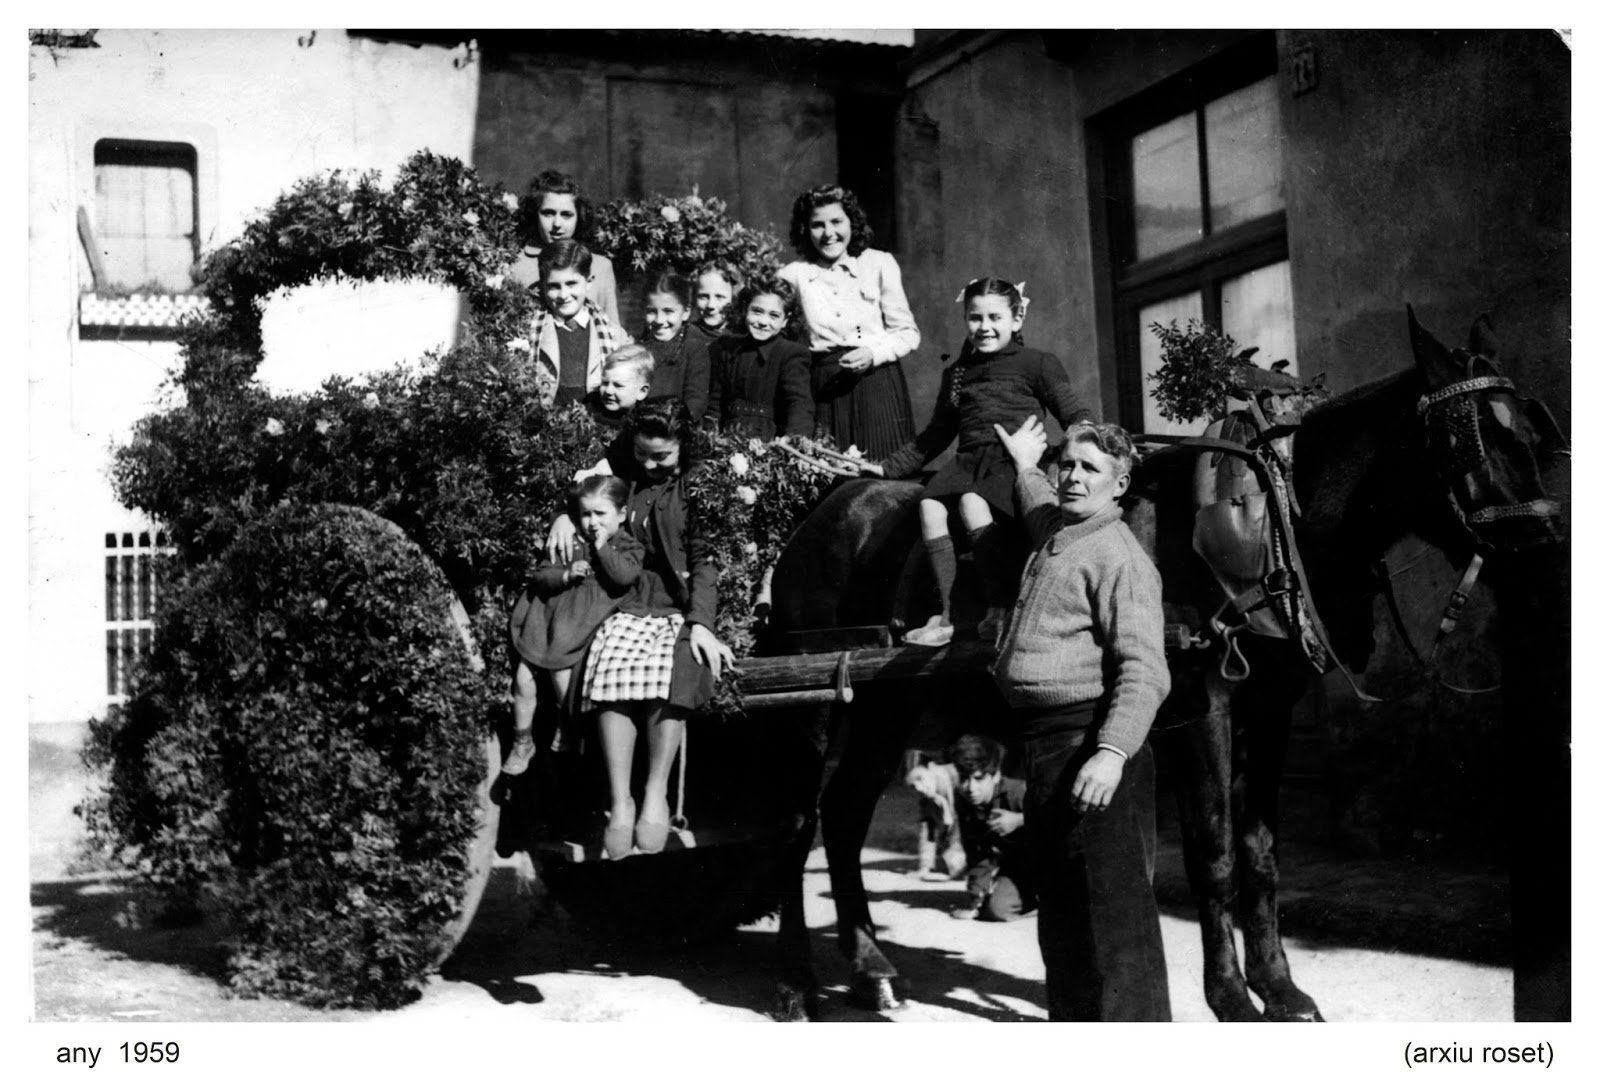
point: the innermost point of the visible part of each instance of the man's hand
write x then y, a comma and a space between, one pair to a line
709, 651
1005, 823
1097, 781
559, 543
1027, 445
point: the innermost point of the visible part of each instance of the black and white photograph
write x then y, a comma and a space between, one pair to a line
1068, 525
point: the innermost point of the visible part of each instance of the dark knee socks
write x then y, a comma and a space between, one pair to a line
942, 556
988, 554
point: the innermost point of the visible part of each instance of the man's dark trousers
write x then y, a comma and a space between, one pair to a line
1099, 930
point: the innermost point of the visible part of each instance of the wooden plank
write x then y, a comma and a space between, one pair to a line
761, 674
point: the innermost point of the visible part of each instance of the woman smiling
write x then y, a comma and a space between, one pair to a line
858, 320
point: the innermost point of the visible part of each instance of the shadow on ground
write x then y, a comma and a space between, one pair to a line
516, 936
104, 911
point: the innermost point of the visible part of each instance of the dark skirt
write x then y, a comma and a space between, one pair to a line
871, 412
986, 471
552, 633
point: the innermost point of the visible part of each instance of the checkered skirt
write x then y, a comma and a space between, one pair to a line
631, 659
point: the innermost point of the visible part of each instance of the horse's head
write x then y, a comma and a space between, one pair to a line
1488, 445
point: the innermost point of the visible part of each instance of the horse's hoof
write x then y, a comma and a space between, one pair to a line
874, 993
1282, 1012
1234, 1006
792, 1004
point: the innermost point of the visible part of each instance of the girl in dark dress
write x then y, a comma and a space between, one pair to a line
858, 321
996, 381
761, 381
651, 665
683, 366
566, 602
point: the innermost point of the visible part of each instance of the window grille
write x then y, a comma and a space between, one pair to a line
132, 581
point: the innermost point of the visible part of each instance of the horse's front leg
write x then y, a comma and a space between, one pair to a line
797, 998
1206, 789
1265, 708
878, 731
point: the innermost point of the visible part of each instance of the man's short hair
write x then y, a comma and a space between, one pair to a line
1110, 438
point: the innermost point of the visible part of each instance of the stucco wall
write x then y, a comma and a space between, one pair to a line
764, 132
261, 111
1432, 168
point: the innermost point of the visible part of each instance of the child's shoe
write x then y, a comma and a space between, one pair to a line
521, 754
934, 633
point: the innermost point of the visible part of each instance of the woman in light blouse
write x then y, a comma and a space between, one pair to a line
859, 323
555, 210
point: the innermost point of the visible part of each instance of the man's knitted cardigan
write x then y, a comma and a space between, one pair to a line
1088, 620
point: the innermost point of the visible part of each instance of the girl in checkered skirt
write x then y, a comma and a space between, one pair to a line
656, 660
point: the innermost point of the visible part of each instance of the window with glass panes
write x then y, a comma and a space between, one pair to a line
1195, 198
145, 213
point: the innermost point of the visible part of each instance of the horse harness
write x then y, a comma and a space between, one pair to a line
1255, 530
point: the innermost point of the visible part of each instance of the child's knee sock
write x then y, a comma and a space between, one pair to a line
942, 556
988, 554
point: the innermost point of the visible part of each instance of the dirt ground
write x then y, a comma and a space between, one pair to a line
1371, 942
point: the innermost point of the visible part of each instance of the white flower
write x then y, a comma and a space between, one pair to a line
740, 463
323, 426
370, 400
408, 204
510, 200
273, 427
346, 208
746, 494
495, 282
520, 343
750, 548
470, 218
671, 214
758, 447
854, 452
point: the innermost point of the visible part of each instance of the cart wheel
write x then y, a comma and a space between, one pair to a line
480, 858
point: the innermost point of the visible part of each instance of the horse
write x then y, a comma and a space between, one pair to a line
1445, 449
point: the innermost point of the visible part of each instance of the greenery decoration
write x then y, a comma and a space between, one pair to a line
682, 232
326, 808
438, 221
1198, 364
279, 625
746, 499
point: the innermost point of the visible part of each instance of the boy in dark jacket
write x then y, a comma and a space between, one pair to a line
989, 807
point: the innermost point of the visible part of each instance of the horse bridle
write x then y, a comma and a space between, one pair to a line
1446, 409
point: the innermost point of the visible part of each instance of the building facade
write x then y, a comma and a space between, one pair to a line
1296, 189
148, 148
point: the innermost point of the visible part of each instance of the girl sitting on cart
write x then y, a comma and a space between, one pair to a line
994, 380
656, 660
566, 602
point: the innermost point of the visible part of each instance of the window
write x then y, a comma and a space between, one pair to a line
131, 580
1196, 228
146, 208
